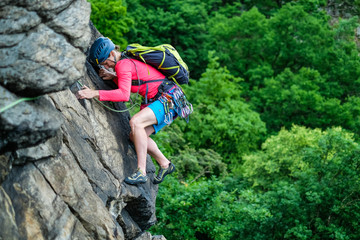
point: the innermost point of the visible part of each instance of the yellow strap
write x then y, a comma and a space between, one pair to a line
140, 48
163, 48
168, 68
140, 55
173, 79
172, 76
162, 62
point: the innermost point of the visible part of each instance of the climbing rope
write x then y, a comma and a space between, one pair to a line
3, 109
109, 108
17, 102
115, 110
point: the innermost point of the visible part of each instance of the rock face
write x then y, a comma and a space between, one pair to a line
343, 9
62, 160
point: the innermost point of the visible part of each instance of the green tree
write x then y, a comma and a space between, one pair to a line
110, 18
241, 41
222, 120
191, 163
296, 99
352, 108
297, 37
270, 53
204, 210
182, 23
309, 181
179, 23
290, 39
303, 184
343, 69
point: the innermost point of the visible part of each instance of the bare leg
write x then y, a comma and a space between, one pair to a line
139, 136
155, 152
153, 149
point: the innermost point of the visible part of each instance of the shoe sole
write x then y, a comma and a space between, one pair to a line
134, 183
162, 179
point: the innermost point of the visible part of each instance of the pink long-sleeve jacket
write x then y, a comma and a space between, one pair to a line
126, 72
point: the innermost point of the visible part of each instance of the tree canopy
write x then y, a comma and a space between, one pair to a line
271, 150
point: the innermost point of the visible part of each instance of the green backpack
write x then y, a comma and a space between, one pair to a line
164, 57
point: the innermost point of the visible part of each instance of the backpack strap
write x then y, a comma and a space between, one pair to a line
141, 82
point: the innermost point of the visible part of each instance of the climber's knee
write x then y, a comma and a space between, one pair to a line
143, 119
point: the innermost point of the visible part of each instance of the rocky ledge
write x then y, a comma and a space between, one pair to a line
62, 160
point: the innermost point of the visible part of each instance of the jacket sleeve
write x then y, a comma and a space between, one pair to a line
122, 94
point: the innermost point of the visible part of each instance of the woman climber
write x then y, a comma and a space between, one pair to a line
156, 112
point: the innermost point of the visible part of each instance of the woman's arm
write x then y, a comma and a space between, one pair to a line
87, 93
123, 71
122, 94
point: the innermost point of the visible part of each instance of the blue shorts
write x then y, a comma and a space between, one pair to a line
158, 108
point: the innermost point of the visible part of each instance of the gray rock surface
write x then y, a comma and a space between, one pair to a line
62, 160
40, 49
8, 225
27, 123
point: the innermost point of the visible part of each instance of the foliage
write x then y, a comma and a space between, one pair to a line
243, 36
295, 98
258, 68
179, 23
309, 180
290, 39
303, 184
110, 18
270, 53
205, 200
190, 163
222, 120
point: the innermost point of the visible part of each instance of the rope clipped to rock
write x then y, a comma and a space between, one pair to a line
34, 98
109, 108
17, 102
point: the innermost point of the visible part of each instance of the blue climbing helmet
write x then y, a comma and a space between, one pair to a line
100, 50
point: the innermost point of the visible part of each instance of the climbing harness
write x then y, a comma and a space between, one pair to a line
141, 82
178, 102
17, 102
175, 99
166, 101
181, 105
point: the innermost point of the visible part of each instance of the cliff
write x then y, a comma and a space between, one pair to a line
62, 160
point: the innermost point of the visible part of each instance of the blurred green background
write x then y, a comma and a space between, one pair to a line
272, 148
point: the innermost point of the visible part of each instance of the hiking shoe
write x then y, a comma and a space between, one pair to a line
163, 172
136, 177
